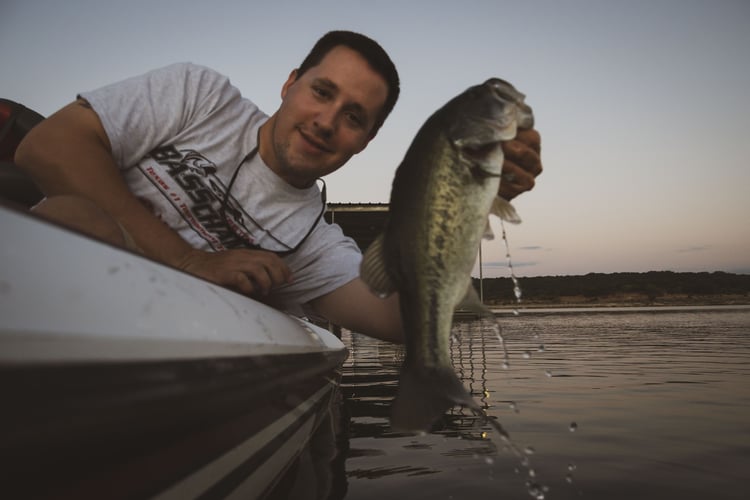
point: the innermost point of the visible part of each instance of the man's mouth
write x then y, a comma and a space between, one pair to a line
314, 141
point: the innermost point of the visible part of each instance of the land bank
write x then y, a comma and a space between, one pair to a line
655, 288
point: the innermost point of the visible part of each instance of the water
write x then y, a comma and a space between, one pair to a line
616, 404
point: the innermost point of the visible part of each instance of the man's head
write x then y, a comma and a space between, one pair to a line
331, 107
371, 51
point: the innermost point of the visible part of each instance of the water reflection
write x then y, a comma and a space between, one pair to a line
642, 404
371, 375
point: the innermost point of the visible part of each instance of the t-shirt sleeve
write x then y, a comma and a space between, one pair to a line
142, 112
327, 261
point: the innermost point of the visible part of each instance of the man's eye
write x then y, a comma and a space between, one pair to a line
354, 119
321, 92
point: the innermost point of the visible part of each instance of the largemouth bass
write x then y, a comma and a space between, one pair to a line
442, 194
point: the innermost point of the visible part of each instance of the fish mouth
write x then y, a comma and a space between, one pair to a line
505, 90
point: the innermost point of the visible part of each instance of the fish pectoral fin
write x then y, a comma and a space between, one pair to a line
424, 395
472, 303
373, 272
488, 234
503, 209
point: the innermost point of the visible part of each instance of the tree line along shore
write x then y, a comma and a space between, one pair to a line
620, 289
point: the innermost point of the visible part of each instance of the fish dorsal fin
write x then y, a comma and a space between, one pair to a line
373, 272
472, 303
503, 209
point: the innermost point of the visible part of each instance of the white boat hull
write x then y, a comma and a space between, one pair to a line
125, 378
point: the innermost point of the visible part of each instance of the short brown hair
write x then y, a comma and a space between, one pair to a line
373, 53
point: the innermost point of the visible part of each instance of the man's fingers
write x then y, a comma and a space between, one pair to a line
261, 279
531, 138
251, 272
514, 181
523, 155
243, 284
519, 177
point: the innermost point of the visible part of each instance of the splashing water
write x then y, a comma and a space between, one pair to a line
516, 284
499, 335
517, 290
534, 488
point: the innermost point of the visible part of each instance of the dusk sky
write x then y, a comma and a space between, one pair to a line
643, 106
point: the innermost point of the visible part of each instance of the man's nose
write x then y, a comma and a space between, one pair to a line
325, 121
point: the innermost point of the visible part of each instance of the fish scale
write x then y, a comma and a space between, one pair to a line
442, 195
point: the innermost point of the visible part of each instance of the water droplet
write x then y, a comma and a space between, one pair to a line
569, 478
535, 490
512, 406
489, 460
506, 365
548, 373
532, 473
573, 427
516, 313
529, 450
571, 467
540, 348
526, 354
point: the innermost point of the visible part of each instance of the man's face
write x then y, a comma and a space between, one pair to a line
326, 116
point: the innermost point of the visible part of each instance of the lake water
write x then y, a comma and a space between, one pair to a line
604, 404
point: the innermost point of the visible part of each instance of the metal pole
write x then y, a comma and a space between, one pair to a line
481, 277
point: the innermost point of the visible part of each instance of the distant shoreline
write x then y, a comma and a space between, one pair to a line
651, 289
624, 301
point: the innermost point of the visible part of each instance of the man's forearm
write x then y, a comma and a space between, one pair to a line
356, 308
69, 154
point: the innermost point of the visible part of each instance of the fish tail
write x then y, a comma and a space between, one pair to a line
424, 395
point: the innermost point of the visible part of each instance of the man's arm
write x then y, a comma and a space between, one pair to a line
69, 153
356, 308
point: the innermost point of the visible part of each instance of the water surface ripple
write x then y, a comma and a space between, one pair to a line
618, 404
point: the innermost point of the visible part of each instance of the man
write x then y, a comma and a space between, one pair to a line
177, 165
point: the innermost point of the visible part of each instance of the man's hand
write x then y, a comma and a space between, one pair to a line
522, 164
251, 272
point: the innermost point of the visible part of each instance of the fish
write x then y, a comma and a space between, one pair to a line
441, 197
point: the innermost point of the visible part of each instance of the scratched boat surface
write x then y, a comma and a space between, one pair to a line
122, 377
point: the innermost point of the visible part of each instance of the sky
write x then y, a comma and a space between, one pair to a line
642, 105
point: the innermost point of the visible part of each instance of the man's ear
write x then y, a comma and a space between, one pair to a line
289, 81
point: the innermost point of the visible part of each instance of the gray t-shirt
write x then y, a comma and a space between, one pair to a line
179, 134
